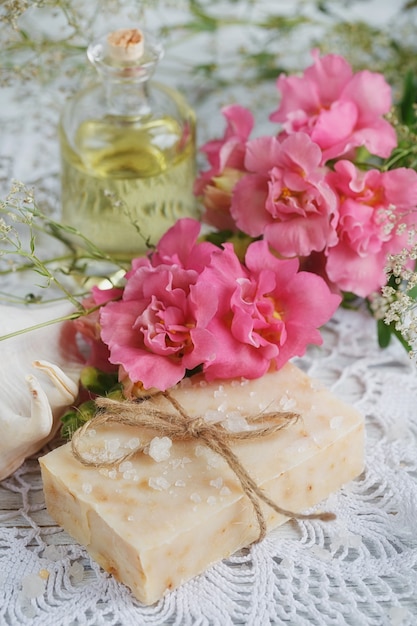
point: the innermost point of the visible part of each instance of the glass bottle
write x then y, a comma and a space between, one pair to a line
127, 149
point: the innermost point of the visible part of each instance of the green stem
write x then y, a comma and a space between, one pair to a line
65, 318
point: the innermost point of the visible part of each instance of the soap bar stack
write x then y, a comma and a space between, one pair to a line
164, 516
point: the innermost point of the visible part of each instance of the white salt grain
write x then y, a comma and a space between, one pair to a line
133, 443
321, 553
53, 553
398, 615
112, 445
87, 488
235, 423
76, 572
160, 448
199, 450
225, 491
217, 482
220, 392
180, 483
336, 421
211, 500
286, 403
125, 466
195, 497
159, 483
113, 474
212, 416
33, 586
222, 408
130, 475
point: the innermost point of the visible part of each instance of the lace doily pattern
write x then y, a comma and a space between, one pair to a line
360, 570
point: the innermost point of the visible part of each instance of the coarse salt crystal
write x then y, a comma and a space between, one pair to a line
220, 392
76, 572
92, 432
336, 421
113, 474
213, 459
200, 450
195, 497
212, 416
398, 615
53, 553
217, 482
112, 445
159, 483
33, 586
125, 466
211, 500
180, 483
286, 403
321, 553
133, 443
160, 448
235, 423
130, 475
87, 487
225, 491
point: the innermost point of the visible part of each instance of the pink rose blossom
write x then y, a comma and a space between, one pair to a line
267, 311
340, 110
89, 328
372, 207
157, 330
285, 196
226, 158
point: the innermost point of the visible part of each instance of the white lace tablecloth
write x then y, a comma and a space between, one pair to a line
360, 570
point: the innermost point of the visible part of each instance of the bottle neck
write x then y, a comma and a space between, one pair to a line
127, 98
126, 59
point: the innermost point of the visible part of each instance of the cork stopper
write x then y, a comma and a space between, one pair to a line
126, 44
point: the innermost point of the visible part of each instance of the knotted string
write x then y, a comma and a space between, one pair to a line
177, 425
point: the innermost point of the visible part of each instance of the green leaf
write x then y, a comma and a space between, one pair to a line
384, 334
408, 100
96, 381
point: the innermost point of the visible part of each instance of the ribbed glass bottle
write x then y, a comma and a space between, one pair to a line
128, 149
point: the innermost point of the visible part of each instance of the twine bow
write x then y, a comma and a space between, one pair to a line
177, 425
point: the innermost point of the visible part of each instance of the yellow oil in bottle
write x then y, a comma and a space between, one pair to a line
119, 177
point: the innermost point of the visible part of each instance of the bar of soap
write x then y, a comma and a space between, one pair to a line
161, 518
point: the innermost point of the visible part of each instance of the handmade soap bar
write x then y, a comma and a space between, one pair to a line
162, 517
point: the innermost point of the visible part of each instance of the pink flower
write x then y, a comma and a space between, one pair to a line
157, 330
340, 110
226, 158
372, 207
285, 196
179, 246
267, 311
89, 328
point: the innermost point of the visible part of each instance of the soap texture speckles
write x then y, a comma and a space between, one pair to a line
144, 520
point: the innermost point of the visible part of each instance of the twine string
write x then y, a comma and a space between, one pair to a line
177, 425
